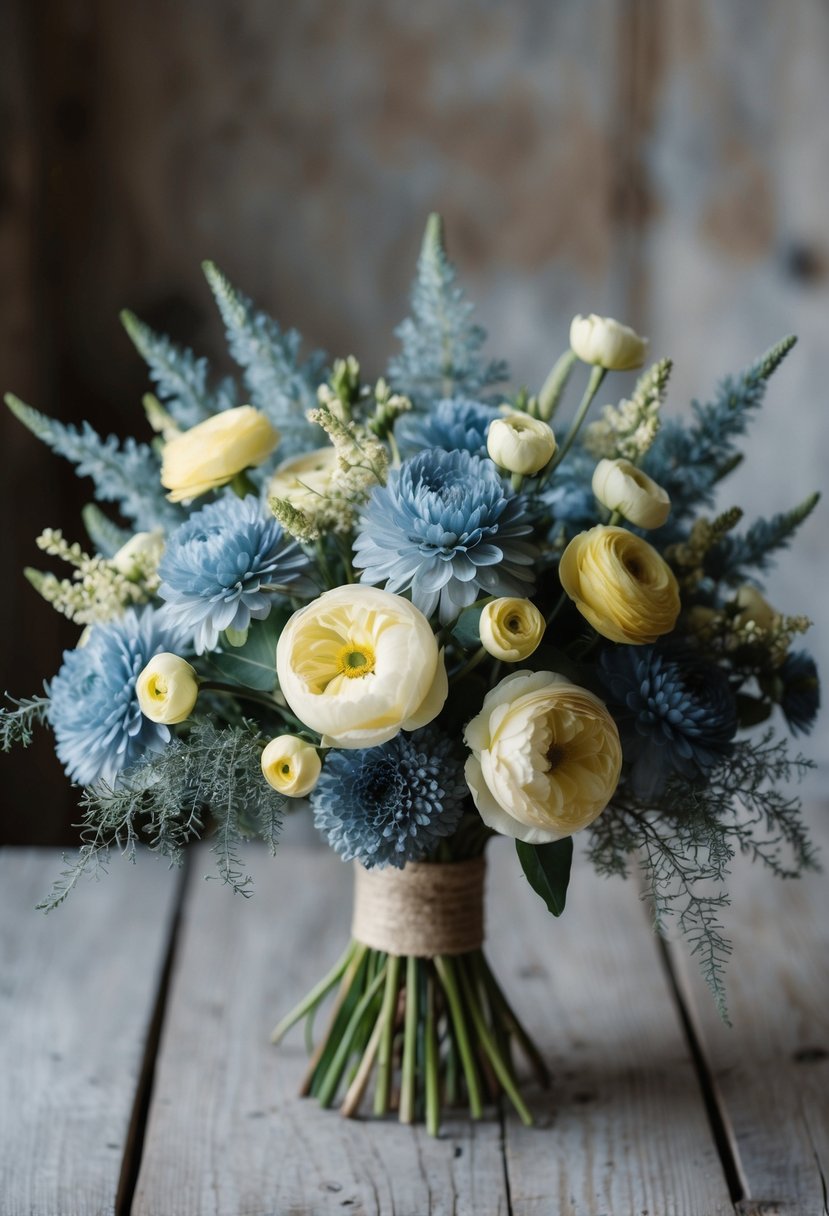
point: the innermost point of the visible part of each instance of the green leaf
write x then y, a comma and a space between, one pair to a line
467, 628
547, 869
254, 664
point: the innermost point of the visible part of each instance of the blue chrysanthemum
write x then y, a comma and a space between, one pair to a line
446, 526
675, 712
224, 566
800, 698
93, 710
390, 804
456, 424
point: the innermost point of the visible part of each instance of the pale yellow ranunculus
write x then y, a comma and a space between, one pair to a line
755, 610
291, 765
511, 629
213, 452
546, 757
621, 487
303, 480
167, 689
520, 444
607, 343
360, 664
620, 584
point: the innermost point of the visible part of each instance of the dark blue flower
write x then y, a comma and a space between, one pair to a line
676, 713
800, 698
225, 565
93, 710
446, 526
390, 804
456, 424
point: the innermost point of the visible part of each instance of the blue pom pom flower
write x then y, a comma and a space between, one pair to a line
800, 699
225, 565
391, 804
676, 713
456, 424
93, 708
446, 526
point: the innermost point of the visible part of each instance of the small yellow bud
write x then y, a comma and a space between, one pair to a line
291, 766
213, 452
520, 444
754, 609
167, 689
511, 629
607, 343
621, 487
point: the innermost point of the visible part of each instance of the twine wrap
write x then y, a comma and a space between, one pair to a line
423, 910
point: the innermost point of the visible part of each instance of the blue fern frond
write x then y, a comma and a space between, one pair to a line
105, 535
181, 380
278, 382
441, 347
737, 558
689, 459
126, 473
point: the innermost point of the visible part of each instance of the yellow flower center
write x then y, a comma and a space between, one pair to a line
353, 662
157, 688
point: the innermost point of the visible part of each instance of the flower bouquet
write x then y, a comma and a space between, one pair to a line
414, 611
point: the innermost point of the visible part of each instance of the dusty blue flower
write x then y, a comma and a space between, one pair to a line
93, 710
447, 527
676, 713
456, 424
225, 565
800, 698
390, 804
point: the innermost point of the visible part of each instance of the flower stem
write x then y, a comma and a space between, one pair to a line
381, 1092
432, 1085
553, 387
444, 965
357, 1088
487, 1042
470, 664
315, 995
504, 1011
597, 375
331, 1079
241, 485
350, 984
408, 1068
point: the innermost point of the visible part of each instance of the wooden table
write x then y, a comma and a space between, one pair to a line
136, 1074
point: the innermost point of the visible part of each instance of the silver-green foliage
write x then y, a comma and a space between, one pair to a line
105, 535
17, 724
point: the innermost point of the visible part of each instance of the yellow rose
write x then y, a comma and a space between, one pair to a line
360, 664
167, 689
607, 343
621, 487
213, 452
520, 444
304, 479
620, 584
291, 766
511, 629
546, 757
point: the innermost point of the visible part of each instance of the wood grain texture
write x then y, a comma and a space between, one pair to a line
77, 993
771, 1070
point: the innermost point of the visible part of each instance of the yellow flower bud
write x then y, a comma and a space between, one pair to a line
520, 444
213, 452
620, 584
303, 480
291, 766
607, 343
167, 689
511, 629
754, 609
621, 487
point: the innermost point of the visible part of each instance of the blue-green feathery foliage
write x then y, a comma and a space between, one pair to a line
441, 355
689, 460
277, 382
181, 380
106, 536
738, 558
127, 473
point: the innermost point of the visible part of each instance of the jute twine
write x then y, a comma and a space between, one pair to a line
422, 910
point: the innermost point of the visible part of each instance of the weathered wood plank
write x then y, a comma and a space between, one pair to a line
77, 993
226, 1132
623, 1129
771, 1071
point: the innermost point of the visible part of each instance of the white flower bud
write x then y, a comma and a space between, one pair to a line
755, 609
520, 444
167, 689
621, 487
511, 629
291, 766
140, 555
607, 343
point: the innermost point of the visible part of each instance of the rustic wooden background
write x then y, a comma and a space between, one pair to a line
665, 162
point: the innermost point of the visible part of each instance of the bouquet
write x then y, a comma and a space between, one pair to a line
420, 612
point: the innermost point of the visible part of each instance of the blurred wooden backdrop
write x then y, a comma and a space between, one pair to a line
664, 162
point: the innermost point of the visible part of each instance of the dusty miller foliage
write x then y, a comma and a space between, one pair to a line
210, 774
17, 724
687, 838
441, 347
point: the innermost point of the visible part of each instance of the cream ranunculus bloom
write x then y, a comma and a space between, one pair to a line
620, 584
303, 479
511, 629
291, 765
167, 689
546, 757
360, 664
621, 487
213, 452
520, 444
140, 554
607, 343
